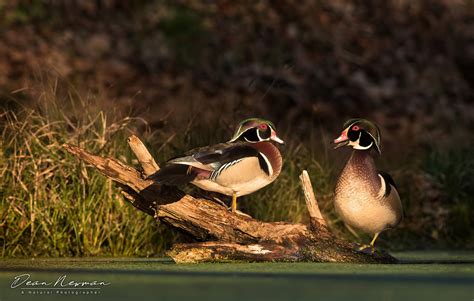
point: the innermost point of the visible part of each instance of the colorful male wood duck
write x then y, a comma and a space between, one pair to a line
246, 163
365, 198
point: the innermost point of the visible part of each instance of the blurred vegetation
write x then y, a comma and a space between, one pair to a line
182, 74
53, 205
50, 204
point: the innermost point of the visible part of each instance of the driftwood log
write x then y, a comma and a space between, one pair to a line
220, 235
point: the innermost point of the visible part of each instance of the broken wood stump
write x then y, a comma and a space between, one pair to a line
220, 235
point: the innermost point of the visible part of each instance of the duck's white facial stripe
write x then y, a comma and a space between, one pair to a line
258, 135
270, 168
240, 134
245, 138
260, 138
356, 145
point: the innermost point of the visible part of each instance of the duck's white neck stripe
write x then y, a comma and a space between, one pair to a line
383, 187
270, 168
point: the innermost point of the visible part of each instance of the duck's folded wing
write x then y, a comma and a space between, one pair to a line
176, 174
202, 163
224, 153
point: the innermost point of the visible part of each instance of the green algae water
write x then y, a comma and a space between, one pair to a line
420, 276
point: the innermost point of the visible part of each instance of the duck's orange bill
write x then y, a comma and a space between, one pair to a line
275, 138
341, 138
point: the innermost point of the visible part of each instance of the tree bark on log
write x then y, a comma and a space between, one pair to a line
220, 235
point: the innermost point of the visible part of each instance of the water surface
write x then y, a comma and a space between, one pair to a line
421, 276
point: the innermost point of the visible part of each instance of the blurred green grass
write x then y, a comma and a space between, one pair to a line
54, 205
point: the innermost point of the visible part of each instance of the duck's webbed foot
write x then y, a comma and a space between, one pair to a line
369, 249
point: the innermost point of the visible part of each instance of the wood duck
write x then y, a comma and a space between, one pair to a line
244, 164
365, 198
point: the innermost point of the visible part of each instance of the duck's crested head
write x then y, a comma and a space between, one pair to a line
361, 134
255, 130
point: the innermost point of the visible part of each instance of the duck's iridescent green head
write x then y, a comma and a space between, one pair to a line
359, 133
255, 130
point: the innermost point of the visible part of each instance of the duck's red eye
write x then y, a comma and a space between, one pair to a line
355, 128
263, 126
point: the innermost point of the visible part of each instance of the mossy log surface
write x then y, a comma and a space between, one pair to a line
220, 235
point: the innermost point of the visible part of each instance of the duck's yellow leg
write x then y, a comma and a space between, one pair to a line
371, 246
233, 206
375, 238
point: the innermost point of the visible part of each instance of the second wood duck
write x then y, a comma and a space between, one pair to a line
365, 198
244, 164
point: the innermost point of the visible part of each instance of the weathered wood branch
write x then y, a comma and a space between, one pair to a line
220, 234
316, 218
143, 155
